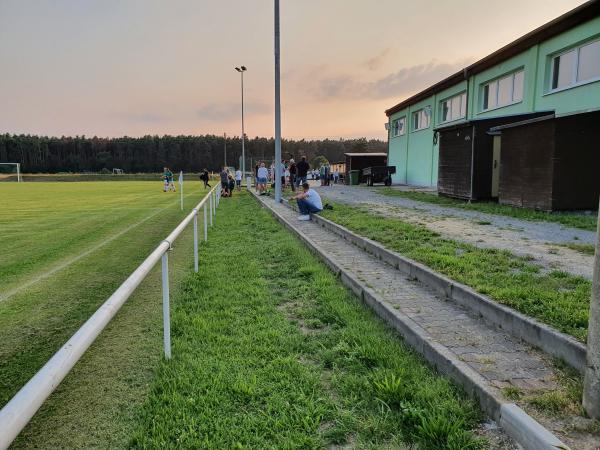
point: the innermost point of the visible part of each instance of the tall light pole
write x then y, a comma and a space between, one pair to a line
241, 70
225, 149
277, 110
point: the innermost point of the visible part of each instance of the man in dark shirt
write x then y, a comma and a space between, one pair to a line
301, 171
224, 181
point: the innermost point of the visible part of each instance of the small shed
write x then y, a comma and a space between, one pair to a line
469, 158
551, 163
359, 161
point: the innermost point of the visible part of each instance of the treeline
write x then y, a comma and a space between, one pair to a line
151, 153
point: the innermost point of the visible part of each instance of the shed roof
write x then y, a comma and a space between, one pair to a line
581, 14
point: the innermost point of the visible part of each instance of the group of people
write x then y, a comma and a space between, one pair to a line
326, 175
229, 182
168, 184
292, 174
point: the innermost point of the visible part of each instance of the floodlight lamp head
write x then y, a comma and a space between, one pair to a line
243, 68
238, 69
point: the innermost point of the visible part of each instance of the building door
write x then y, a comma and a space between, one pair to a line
496, 165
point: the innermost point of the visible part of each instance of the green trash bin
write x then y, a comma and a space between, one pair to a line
354, 177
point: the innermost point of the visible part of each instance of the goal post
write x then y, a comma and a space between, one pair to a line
18, 167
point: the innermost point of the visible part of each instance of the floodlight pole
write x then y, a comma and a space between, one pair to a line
591, 385
241, 70
277, 109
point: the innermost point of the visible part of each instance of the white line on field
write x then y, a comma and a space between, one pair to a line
67, 263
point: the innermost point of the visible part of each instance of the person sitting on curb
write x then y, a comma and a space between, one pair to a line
309, 202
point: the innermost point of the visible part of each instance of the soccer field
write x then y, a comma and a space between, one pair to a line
65, 248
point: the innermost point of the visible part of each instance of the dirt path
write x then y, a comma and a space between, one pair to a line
542, 241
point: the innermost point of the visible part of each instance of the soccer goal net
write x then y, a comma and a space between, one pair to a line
10, 171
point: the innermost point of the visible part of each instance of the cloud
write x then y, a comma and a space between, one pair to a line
228, 111
406, 81
377, 61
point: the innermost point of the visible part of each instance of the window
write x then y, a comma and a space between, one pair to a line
577, 66
454, 108
563, 70
398, 126
421, 118
504, 91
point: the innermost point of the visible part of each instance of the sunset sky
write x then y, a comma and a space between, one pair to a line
136, 67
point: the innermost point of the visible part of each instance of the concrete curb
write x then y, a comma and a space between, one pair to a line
535, 333
517, 423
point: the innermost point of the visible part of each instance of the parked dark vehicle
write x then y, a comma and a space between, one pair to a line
379, 174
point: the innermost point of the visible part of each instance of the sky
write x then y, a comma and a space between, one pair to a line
137, 67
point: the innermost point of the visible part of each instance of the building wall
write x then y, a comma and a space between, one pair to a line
416, 154
526, 61
397, 150
574, 99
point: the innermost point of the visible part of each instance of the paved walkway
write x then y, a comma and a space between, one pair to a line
544, 241
499, 358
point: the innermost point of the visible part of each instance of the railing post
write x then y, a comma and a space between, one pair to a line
205, 224
211, 209
196, 240
166, 308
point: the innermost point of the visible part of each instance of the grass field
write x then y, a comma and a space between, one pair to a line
270, 350
76, 177
556, 298
49, 289
569, 219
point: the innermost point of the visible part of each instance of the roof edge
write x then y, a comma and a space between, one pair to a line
583, 13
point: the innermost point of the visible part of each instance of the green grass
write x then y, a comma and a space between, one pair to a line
556, 298
43, 225
585, 222
586, 249
271, 351
72, 177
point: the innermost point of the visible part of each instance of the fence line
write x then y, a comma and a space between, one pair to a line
21, 408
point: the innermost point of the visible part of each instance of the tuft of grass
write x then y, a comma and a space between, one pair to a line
586, 249
569, 219
556, 298
512, 392
243, 375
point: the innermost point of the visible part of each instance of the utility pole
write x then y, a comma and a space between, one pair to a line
591, 385
241, 70
277, 110
225, 148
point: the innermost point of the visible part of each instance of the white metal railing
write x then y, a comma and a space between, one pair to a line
21, 408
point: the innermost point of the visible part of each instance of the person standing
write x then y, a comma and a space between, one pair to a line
261, 178
302, 171
224, 181
309, 202
336, 176
205, 177
165, 177
293, 169
238, 179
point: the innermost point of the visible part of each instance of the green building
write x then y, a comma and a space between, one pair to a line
552, 72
